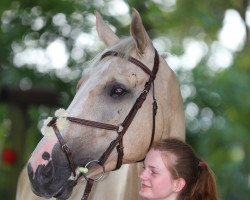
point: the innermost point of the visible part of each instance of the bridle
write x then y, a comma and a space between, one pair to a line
120, 129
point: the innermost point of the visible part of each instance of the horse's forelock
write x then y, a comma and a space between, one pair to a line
126, 46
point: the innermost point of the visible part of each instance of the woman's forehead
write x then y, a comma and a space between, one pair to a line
154, 159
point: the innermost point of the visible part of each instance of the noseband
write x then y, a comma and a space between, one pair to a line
120, 129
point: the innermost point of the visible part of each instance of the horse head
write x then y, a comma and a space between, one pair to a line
101, 111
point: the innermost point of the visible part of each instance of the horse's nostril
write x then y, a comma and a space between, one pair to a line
46, 155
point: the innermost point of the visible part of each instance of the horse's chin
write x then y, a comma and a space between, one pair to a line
64, 192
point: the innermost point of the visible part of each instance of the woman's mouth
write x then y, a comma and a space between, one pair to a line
143, 186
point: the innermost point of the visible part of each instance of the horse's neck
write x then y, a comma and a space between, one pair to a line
170, 104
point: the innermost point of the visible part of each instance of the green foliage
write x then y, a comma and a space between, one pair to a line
216, 102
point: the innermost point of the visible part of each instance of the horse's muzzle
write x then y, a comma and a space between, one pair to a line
47, 181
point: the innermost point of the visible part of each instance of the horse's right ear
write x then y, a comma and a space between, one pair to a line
139, 33
104, 31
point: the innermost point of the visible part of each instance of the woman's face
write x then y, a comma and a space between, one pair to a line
156, 180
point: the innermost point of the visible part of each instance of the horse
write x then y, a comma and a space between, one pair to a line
127, 98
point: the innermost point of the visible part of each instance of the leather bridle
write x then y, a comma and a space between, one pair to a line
120, 129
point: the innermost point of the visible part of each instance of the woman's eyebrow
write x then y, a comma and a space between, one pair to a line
151, 167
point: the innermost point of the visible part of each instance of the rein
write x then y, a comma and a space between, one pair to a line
120, 129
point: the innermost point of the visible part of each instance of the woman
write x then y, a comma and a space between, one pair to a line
172, 171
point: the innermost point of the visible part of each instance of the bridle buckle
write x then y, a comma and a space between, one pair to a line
120, 129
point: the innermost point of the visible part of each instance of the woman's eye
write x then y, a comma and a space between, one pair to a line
118, 91
154, 172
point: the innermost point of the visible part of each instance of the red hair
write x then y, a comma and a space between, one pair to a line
199, 178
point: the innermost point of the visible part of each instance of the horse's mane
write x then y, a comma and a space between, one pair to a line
125, 46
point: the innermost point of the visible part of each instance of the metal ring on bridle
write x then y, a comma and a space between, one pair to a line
103, 169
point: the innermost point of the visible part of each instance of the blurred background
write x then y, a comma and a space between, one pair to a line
44, 46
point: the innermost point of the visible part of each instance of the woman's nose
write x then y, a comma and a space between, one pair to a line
143, 175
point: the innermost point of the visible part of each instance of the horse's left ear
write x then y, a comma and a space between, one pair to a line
138, 32
105, 33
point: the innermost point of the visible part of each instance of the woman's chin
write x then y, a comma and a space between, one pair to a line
143, 192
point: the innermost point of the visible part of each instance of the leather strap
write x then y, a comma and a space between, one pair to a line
87, 189
130, 59
155, 107
93, 124
64, 146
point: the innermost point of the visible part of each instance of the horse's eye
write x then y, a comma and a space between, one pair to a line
118, 91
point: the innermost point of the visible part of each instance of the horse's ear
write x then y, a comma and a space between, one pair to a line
104, 31
138, 32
